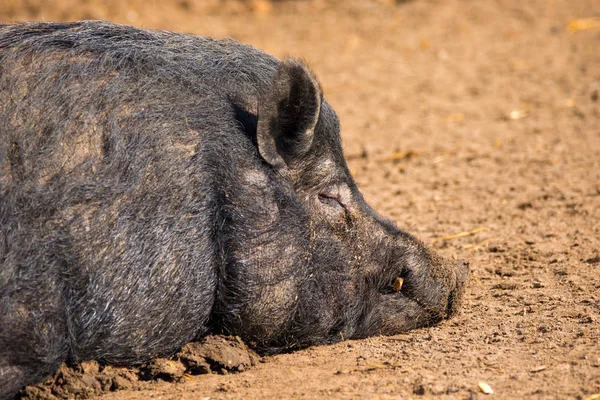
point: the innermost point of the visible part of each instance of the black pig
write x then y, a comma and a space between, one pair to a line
156, 187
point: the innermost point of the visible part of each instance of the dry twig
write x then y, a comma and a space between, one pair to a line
461, 234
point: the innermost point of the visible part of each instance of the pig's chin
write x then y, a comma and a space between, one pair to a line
402, 314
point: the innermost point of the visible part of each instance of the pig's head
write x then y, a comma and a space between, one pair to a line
394, 283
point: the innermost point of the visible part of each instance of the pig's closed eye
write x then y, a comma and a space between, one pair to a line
331, 200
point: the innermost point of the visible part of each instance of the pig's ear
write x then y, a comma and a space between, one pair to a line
288, 114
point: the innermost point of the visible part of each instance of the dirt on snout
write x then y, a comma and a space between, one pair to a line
475, 125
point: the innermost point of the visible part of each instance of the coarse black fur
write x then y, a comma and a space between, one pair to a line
156, 187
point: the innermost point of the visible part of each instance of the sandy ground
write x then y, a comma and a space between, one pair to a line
458, 116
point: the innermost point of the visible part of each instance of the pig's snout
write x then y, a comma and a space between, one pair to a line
462, 272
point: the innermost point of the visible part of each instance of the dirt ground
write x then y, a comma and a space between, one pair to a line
475, 125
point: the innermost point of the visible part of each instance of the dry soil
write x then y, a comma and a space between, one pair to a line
475, 125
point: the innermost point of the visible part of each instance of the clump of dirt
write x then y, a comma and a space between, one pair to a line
84, 381
213, 354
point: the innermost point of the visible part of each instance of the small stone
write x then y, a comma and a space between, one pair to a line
452, 389
485, 388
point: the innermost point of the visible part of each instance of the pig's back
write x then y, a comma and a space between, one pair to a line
114, 143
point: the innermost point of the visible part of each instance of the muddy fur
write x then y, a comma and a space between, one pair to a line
156, 187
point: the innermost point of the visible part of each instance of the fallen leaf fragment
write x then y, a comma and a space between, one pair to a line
186, 377
593, 397
568, 103
455, 117
583, 24
399, 155
485, 388
261, 7
375, 365
538, 369
461, 234
517, 114
472, 247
